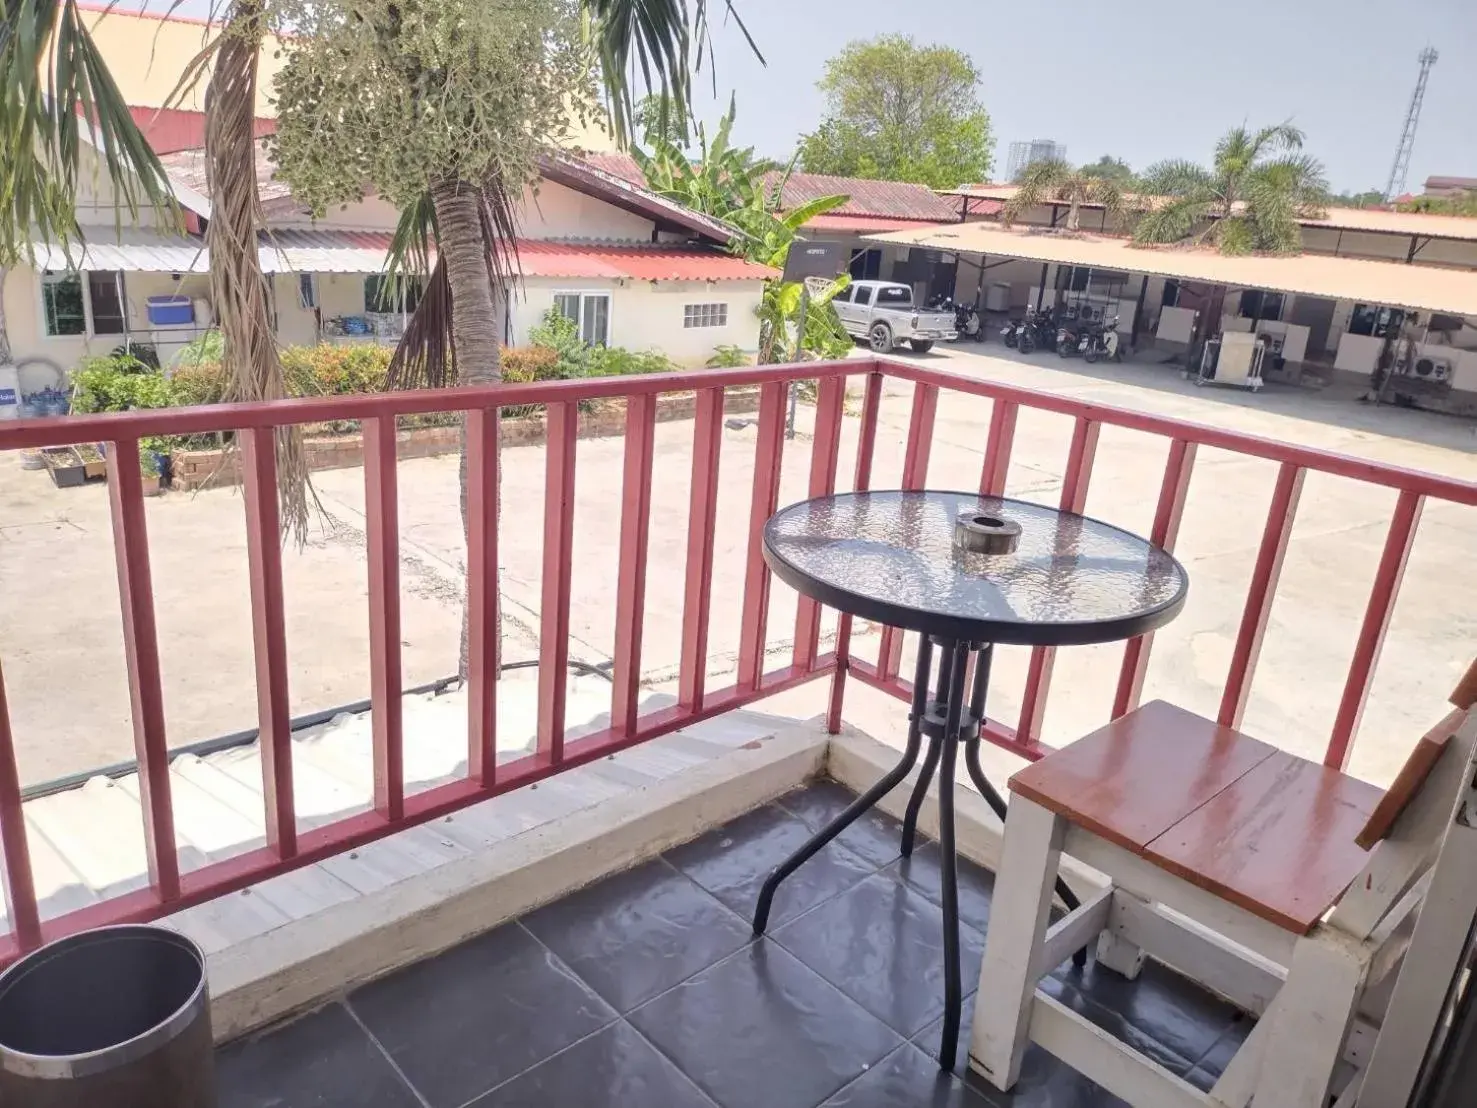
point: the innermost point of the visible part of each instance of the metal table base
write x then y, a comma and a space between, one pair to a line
946, 721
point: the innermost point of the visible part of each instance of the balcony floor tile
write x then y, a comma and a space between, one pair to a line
462, 1023
824, 1012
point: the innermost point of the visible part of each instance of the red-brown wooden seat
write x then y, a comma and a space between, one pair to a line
1261, 828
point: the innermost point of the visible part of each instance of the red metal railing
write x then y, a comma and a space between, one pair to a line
287, 846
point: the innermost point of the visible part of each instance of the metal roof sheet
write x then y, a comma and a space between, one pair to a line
542, 258
863, 224
891, 199
1428, 288
132, 249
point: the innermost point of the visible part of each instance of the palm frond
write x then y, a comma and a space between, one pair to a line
1038, 184
1173, 221
1175, 177
657, 39
53, 84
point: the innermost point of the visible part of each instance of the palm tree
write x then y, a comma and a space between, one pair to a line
1054, 181
1250, 199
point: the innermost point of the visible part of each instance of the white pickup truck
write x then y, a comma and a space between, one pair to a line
883, 313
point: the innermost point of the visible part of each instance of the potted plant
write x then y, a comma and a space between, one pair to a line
150, 469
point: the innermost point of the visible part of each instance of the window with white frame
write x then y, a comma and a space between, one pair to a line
705, 315
590, 312
90, 303
63, 305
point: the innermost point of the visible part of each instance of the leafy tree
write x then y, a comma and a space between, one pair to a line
1369, 198
1112, 169
1052, 180
731, 184
1250, 199
1463, 205
659, 118
900, 111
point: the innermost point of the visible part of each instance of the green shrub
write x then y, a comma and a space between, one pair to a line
332, 370
198, 383
523, 364
209, 347
728, 357
117, 383
615, 361
562, 335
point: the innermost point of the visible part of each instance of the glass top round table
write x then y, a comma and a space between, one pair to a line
890, 557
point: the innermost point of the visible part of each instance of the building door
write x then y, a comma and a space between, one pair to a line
866, 265
1316, 314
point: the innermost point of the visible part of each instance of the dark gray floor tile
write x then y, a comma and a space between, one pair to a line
614, 1068
760, 1030
976, 884
322, 1059
1117, 1024
1168, 1008
461, 1023
875, 836
732, 861
1219, 1056
638, 933
1045, 1081
906, 1077
881, 943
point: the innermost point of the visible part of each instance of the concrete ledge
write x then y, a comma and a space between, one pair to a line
302, 964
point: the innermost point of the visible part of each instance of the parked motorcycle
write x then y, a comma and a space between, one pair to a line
1102, 341
1068, 338
1037, 330
967, 323
1011, 332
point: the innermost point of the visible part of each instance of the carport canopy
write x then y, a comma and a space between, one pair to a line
1423, 287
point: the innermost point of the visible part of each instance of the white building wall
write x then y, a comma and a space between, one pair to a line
647, 315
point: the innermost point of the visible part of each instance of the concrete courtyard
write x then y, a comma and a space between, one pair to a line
61, 638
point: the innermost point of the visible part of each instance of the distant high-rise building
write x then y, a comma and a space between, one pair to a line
1023, 154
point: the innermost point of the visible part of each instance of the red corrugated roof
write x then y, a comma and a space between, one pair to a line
617, 164
890, 199
865, 224
541, 258
170, 129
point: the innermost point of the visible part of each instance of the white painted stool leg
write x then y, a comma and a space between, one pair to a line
1013, 943
1316, 1008
1119, 955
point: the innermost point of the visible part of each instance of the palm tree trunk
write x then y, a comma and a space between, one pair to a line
475, 330
474, 316
237, 285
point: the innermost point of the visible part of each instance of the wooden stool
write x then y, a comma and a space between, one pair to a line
1224, 855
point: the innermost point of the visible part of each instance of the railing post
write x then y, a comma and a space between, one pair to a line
707, 438
553, 657
269, 634
484, 626
1387, 578
866, 446
1003, 415
1043, 658
769, 445
915, 476
141, 651
1172, 493
1263, 588
825, 452
382, 536
20, 888
630, 594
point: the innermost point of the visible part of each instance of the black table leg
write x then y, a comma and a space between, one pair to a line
890, 780
930, 760
957, 659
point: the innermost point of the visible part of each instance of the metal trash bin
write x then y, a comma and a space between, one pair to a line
119, 1016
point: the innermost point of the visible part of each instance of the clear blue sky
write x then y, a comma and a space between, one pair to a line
1138, 79
1145, 79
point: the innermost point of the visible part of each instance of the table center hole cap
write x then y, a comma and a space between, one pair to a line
980, 533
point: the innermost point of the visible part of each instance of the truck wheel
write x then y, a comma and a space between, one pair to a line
880, 338
921, 346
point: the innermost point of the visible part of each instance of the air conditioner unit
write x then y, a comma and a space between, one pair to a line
1432, 369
